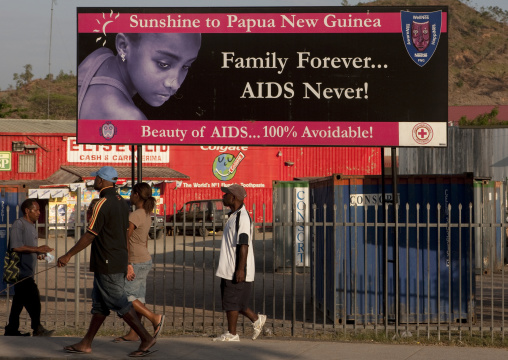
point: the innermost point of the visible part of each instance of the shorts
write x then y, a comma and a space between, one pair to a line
136, 289
108, 293
235, 296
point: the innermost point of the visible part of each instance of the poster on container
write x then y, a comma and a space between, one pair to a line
301, 232
291, 76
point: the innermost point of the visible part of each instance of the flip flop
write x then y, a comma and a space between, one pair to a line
159, 327
123, 339
142, 353
72, 350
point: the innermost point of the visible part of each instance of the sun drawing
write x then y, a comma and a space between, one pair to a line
106, 22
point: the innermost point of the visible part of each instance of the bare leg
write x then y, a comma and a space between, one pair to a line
232, 320
143, 310
250, 314
147, 341
131, 335
85, 344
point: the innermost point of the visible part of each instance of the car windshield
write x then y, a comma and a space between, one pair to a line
200, 206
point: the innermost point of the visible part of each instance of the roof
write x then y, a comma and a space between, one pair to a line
37, 126
148, 172
472, 111
26, 183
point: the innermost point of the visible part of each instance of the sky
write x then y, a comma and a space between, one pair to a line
25, 28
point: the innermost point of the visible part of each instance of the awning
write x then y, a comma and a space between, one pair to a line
25, 183
71, 177
153, 173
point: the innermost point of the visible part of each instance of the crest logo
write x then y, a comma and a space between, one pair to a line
421, 32
422, 133
108, 130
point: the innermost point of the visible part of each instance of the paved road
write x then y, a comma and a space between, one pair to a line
195, 348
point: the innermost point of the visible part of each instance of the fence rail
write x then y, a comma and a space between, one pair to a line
419, 276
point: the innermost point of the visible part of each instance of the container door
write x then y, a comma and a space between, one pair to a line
9, 199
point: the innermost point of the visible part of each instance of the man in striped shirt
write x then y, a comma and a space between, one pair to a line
107, 232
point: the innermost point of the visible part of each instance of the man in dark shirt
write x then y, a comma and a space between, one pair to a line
24, 241
107, 232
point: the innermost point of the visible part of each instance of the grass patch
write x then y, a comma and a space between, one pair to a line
466, 339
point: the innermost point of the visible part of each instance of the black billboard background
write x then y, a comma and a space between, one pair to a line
404, 92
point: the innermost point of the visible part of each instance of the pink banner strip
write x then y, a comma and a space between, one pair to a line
114, 22
192, 132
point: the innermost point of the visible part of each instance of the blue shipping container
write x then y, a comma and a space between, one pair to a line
10, 196
355, 268
489, 199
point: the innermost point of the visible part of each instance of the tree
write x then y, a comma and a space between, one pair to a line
486, 119
6, 109
24, 78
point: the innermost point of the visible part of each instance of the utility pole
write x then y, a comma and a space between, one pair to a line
49, 61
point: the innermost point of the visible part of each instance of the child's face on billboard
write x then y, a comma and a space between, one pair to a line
158, 64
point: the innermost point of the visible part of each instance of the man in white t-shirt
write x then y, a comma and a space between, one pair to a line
236, 265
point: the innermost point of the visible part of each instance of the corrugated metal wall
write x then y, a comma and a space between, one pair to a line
180, 196
325, 161
482, 151
49, 156
261, 166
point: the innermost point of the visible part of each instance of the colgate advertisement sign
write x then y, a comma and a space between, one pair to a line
110, 153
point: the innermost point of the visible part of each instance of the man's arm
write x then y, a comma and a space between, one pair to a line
33, 249
85, 240
18, 243
241, 255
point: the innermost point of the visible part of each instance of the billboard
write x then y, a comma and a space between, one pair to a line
292, 76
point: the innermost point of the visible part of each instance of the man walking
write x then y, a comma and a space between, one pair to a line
107, 232
236, 265
24, 241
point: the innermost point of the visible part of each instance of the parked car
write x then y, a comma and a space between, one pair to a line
157, 228
197, 213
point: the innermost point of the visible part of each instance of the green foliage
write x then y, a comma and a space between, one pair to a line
30, 98
63, 76
457, 338
63, 106
486, 119
60, 105
24, 78
7, 110
495, 13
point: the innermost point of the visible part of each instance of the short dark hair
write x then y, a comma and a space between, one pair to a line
27, 204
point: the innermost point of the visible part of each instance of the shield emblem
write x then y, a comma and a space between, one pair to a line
421, 32
108, 130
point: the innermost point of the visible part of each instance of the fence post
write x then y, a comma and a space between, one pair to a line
77, 235
293, 267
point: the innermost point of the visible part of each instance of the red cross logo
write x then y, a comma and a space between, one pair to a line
422, 133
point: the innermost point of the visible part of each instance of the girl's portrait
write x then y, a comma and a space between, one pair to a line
150, 65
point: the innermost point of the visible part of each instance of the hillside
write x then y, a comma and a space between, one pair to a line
478, 67
477, 53
31, 100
